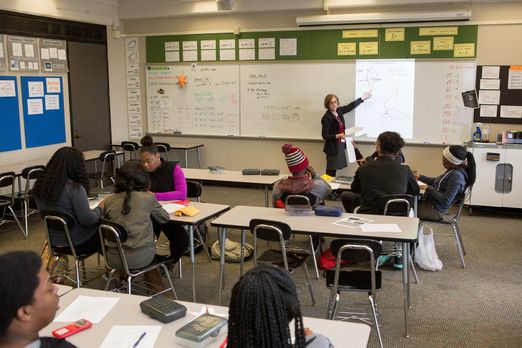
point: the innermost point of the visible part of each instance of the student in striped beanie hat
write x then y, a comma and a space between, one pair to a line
295, 158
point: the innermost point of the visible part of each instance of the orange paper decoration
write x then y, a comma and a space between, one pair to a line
182, 80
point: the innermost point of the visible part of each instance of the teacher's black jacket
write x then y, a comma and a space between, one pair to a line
384, 176
330, 126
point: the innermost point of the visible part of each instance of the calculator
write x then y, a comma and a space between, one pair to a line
163, 309
71, 329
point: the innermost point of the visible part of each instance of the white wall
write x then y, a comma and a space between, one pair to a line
496, 45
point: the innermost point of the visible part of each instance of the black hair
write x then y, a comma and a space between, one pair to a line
390, 142
263, 303
148, 145
66, 163
462, 154
18, 282
131, 177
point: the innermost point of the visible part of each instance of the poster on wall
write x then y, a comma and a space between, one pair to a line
53, 54
3, 60
23, 53
133, 88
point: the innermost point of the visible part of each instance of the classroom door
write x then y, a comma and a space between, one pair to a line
89, 96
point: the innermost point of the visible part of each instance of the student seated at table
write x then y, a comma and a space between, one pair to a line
263, 303
167, 183
443, 190
63, 188
362, 160
133, 207
28, 302
304, 180
384, 176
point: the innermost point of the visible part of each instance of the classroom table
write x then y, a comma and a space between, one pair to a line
239, 217
127, 312
63, 289
185, 147
207, 211
234, 176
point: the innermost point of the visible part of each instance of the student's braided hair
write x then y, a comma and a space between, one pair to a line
263, 303
131, 177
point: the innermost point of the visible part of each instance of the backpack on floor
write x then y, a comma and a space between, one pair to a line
232, 251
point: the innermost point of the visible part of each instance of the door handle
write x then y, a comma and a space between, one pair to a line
77, 135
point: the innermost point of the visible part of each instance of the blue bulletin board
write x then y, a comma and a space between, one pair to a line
44, 118
10, 115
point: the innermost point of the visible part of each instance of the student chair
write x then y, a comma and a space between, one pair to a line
7, 180
164, 148
29, 174
399, 205
313, 242
59, 224
274, 231
112, 235
132, 148
452, 220
361, 277
108, 167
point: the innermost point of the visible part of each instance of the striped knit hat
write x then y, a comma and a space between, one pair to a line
295, 158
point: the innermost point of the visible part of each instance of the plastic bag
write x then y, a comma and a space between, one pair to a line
425, 254
232, 251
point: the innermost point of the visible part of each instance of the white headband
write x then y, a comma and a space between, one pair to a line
450, 157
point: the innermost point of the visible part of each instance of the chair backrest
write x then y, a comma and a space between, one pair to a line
163, 147
131, 147
57, 223
292, 199
7, 179
459, 201
194, 189
31, 173
108, 167
270, 230
396, 204
357, 250
113, 235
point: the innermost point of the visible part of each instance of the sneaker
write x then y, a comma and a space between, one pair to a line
383, 260
397, 263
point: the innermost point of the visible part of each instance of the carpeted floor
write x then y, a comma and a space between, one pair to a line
479, 306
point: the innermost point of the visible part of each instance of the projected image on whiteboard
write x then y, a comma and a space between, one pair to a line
391, 106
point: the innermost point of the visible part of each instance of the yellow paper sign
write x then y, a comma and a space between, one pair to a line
356, 34
443, 43
368, 48
464, 50
394, 34
420, 47
346, 48
428, 31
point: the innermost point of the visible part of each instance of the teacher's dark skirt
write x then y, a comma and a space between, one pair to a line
338, 161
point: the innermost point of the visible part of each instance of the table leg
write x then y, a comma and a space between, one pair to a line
406, 284
222, 231
186, 159
192, 261
266, 196
197, 154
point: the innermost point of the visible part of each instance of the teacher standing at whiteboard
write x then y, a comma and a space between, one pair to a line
333, 126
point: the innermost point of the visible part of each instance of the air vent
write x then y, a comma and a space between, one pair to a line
28, 25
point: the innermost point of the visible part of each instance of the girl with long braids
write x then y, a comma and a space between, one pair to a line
263, 303
132, 206
63, 188
442, 191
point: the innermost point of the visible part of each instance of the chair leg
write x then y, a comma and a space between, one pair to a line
335, 306
77, 266
26, 216
180, 270
109, 279
459, 247
129, 284
202, 241
18, 222
460, 238
329, 307
165, 269
375, 319
413, 270
309, 284
314, 257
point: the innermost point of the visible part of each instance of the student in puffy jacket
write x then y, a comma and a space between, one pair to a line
443, 190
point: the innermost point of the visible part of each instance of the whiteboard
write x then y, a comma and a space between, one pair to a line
285, 99
207, 104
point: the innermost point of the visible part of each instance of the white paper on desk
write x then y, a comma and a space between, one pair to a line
172, 207
93, 309
380, 228
350, 150
124, 336
334, 185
